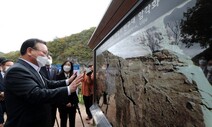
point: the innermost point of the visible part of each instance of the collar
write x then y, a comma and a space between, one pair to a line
2, 73
31, 64
67, 75
48, 66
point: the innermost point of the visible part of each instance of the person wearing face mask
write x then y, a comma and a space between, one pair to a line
88, 90
28, 95
209, 68
1, 89
203, 65
1, 71
50, 72
5, 65
68, 109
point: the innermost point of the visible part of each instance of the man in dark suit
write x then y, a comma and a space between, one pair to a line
28, 95
5, 64
1, 94
1, 74
50, 72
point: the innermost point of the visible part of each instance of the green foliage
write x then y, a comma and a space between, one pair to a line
14, 55
1, 53
72, 47
80, 97
197, 24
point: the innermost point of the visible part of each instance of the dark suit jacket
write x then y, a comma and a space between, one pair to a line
73, 97
53, 72
2, 102
28, 99
1, 82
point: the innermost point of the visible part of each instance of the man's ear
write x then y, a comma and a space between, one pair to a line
29, 51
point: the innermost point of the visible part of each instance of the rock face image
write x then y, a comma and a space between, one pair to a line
151, 91
147, 71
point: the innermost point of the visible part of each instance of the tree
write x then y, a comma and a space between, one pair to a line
73, 47
173, 30
151, 38
197, 24
13, 55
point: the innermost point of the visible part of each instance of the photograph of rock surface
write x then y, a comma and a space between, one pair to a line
148, 72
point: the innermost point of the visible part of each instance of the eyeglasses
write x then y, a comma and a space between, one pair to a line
45, 53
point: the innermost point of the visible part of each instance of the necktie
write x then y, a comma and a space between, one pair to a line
41, 78
48, 71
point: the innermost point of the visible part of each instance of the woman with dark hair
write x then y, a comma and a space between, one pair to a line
69, 109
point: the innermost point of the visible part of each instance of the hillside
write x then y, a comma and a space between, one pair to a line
72, 47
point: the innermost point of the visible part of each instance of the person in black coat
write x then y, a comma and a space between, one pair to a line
1, 93
28, 95
5, 64
50, 72
68, 109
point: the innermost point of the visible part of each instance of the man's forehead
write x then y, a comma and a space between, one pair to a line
41, 46
9, 63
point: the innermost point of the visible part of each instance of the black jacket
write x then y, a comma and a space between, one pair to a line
52, 75
28, 99
73, 98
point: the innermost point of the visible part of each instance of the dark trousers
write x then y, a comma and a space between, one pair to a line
88, 101
66, 112
53, 111
2, 111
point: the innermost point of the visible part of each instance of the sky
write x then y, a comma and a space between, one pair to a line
46, 19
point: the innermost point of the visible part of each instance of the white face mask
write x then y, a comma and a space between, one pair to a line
42, 60
49, 62
209, 68
66, 68
6, 68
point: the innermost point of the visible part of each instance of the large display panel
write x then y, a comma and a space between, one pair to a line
157, 54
